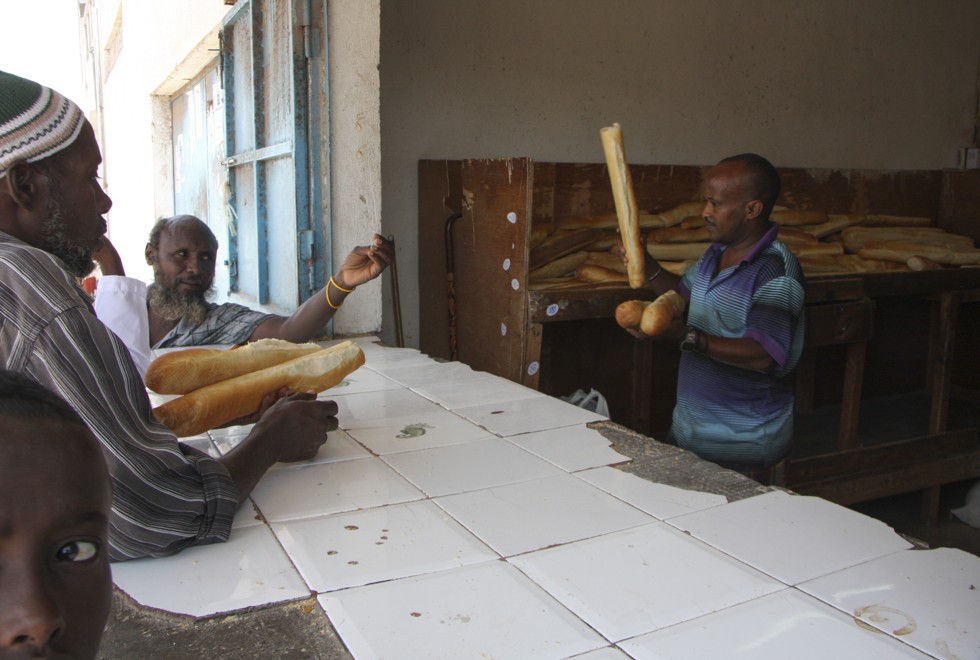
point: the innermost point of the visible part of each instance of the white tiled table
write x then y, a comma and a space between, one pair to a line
458, 515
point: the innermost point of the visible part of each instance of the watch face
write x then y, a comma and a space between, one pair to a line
690, 341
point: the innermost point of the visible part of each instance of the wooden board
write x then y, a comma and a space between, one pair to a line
491, 265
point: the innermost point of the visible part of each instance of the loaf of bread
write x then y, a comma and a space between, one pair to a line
626, 211
560, 266
608, 260
561, 243
692, 222
902, 251
539, 234
678, 235
219, 403
791, 236
599, 275
833, 225
856, 237
845, 263
180, 372
676, 251
801, 249
651, 318
798, 217
677, 268
881, 220
675, 215
921, 263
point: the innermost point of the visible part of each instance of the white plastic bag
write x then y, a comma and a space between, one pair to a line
591, 400
970, 511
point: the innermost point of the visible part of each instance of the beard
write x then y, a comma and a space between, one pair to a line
77, 259
173, 305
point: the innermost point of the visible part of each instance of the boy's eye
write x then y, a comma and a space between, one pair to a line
77, 551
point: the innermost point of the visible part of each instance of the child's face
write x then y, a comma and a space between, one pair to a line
55, 585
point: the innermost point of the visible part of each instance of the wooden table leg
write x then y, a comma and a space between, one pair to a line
851, 400
940, 370
531, 375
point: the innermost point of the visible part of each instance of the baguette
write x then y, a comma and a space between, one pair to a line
675, 215
623, 196
678, 235
856, 237
800, 249
180, 372
692, 222
880, 220
607, 221
560, 266
559, 245
845, 263
902, 251
599, 275
213, 405
608, 260
676, 251
798, 217
677, 267
921, 263
651, 318
834, 224
792, 237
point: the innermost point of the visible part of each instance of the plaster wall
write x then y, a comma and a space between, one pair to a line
815, 83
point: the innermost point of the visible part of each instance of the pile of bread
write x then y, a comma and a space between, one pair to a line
582, 251
224, 385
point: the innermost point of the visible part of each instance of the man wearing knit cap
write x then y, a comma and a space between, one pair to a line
166, 496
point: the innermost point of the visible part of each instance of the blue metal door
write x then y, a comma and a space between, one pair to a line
275, 237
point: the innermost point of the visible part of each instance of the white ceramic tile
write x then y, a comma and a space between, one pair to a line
488, 610
235, 431
469, 466
437, 428
572, 448
361, 380
791, 537
395, 358
247, 516
369, 409
248, 570
927, 598
527, 415
372, 545
782, 625
642, 579
536, 514
338, 447
474, 392
325, 488
608, 653
201, 443
226, 442
437, 372
658, 500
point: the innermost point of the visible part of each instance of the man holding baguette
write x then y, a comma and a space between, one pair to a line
175, 310
743, 332
165, 496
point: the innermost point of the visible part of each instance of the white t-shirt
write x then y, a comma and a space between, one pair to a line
120, 303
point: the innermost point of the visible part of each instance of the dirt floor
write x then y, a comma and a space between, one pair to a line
903, 513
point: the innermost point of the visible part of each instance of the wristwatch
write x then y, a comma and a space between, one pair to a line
690, 341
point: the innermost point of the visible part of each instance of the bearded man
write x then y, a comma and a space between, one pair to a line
165, 495
175, 310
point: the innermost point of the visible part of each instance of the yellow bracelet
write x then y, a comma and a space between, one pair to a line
326, 294
334, 282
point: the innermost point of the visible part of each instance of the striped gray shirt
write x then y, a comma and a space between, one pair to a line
165, 496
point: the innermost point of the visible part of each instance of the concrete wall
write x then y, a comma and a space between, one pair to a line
816, 83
